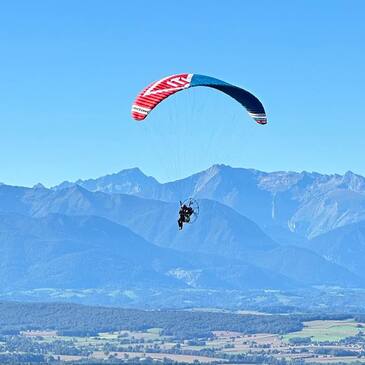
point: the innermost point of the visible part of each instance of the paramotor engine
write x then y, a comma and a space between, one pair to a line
192, 203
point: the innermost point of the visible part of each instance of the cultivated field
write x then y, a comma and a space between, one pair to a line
327, 330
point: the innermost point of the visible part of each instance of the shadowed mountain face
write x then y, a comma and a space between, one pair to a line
79, 252
223, 249
76, 252
306, 204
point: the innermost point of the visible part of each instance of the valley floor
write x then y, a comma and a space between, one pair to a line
320, 341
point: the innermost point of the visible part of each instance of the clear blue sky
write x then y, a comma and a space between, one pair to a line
69, 71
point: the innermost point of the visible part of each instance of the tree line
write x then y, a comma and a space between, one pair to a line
81, 320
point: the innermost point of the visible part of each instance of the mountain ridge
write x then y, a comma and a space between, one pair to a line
305, 203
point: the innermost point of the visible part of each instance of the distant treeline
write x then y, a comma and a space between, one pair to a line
80, 320
325, 316
28, 359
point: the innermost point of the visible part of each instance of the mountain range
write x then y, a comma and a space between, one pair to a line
306, 204
256, 230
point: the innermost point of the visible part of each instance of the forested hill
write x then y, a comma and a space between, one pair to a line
74, 319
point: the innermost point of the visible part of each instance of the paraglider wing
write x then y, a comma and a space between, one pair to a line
245, 98
156, 92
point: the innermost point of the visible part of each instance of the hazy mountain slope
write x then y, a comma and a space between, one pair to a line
222, 231
157, 220
305, 267
76, 252
220, 228
219, 231
79, 252
76, 200
344, 246
241, 274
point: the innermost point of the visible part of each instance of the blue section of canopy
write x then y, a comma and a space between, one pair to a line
245, 98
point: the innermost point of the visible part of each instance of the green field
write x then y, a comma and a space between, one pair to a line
320, 331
